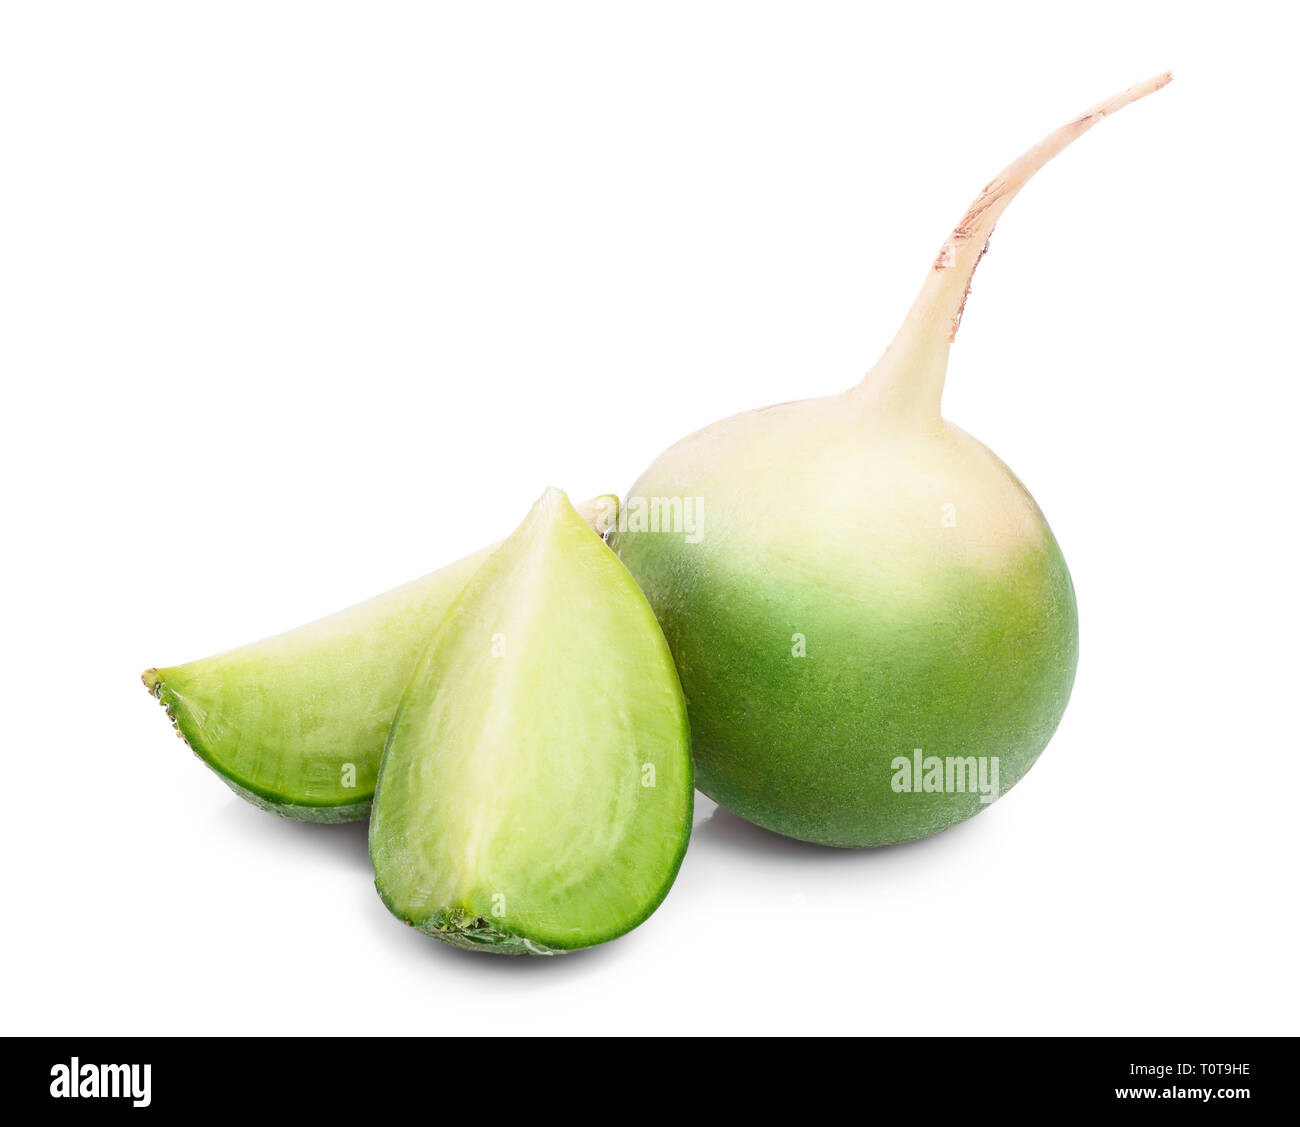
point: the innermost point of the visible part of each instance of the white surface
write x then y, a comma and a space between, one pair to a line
303, 300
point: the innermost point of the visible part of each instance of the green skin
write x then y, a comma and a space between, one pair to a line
513, 814
296, 724
915, 635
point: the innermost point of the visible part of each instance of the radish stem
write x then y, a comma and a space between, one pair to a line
908, 379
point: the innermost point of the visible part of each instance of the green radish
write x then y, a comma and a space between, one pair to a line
535, 793
874, 626
296, 723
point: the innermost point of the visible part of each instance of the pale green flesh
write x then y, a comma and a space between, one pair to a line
830, 620
512, 812
296, 723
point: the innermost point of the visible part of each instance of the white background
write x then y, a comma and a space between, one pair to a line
300, 301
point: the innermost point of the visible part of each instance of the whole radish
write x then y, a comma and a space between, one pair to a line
874, 626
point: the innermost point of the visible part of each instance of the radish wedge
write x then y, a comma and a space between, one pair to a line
296, 723
536, 790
